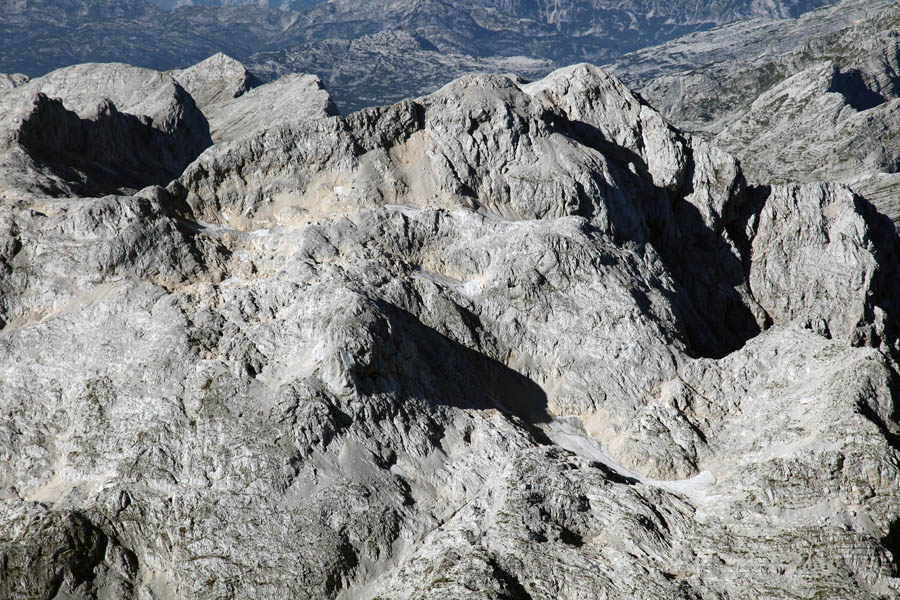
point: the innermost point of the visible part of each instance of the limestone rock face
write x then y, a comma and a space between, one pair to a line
787, 122
13, 80
141, 92
506, 340
217, 79
93, 129
813, 260
291, 98
701, 80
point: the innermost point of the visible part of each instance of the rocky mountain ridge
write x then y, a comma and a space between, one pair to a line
822, 107
506, 340
120, 127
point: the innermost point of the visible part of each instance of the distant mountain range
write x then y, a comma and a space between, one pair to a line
281, 4
277, 36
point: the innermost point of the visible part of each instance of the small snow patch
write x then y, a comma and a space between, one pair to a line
409, 211
213, 227
568, 432
466, 288
230, 281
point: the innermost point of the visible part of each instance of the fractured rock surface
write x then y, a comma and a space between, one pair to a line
219, 78
507, 340
290, 98
94, 129
13, 80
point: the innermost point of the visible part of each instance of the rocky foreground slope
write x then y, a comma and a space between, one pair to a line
508, 340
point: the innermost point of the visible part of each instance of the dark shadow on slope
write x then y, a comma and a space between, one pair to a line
59, 547
891, 543
853, 88
614, 475
884, 288
710, 276
111, 152
705, 264
892, 438
513, 588
413, 360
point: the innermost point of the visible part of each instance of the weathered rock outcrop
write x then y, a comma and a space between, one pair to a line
13, 80
817, 258
219, 78
289, 99
822, 123
504, 341
94, 129
701, 80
